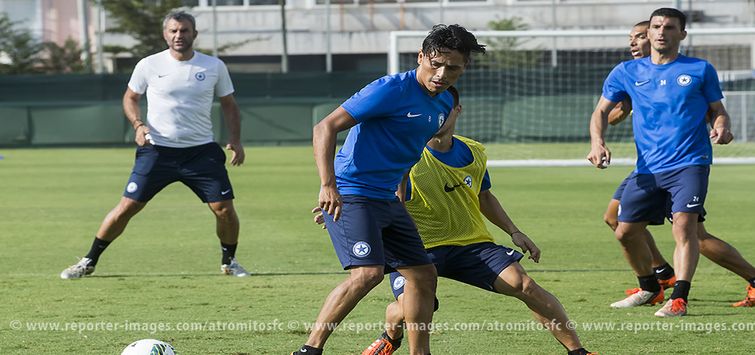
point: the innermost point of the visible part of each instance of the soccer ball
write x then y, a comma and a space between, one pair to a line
149, 347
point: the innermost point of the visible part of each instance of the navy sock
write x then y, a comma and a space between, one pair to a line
229, 251
580, 351
664, 272
681, 290
649, 283
98, 246
309, 350
752, 281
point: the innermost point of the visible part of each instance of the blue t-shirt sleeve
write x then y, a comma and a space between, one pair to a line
613, 86
374, 100
485, 182
711, 86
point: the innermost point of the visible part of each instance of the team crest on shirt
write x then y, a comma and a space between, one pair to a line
441, 119
399, 282
131, 187
468, 181
683, 80
361, 249
200, 76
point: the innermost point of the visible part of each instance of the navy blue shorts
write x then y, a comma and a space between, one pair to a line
657, 218
475, 264
375, 232
680, 190
201, 168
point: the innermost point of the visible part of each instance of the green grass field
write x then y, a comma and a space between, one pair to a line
163, 273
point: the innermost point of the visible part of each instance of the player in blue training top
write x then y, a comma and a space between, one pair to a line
391, 119
711, 247
448, 194
671, 94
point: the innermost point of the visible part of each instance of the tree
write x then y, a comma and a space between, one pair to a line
505, 52
141, 20
18, 47
62, 59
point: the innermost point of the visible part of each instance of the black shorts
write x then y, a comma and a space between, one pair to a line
201, 168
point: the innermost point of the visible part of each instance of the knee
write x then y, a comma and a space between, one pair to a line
622, 235
127, 208
225, 214
525, 287
426, 277
366, 278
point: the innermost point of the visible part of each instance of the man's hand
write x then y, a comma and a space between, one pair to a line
141, 135
319, 219
237, 155
330, 201
522, 241
721, 135
599, 156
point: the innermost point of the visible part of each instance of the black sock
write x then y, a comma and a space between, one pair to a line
229, 251
98, 246
308, 350
649, 283
580, 351
664, 272
395, 342
752, 282
681, 290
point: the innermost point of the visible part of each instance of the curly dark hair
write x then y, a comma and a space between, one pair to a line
453, 37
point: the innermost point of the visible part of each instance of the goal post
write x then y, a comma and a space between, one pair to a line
531, 96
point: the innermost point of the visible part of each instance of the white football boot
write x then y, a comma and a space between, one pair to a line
78, 270
233, 269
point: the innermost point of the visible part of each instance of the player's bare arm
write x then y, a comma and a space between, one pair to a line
133, 115
324, 143
599, 155
620, 112
232, 117
492, 210
721, 131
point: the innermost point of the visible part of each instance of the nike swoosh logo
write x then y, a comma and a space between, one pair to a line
640, 83
695, 205
162, 76
510, 252
660, 271
225, 192
450, 188
410, 115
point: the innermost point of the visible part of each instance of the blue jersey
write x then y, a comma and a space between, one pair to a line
669, 104
395, 119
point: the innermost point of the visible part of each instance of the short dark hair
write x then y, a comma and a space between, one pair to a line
642, 23
671, 12
453, 37
180, 16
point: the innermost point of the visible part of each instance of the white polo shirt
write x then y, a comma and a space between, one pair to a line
179, 96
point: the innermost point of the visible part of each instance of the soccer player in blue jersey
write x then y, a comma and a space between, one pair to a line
639, 47
448, 195
713, 248
391, 119
671, 94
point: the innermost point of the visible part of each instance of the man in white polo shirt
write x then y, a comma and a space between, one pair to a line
176, 143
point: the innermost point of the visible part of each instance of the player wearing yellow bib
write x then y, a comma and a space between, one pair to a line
447, 194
